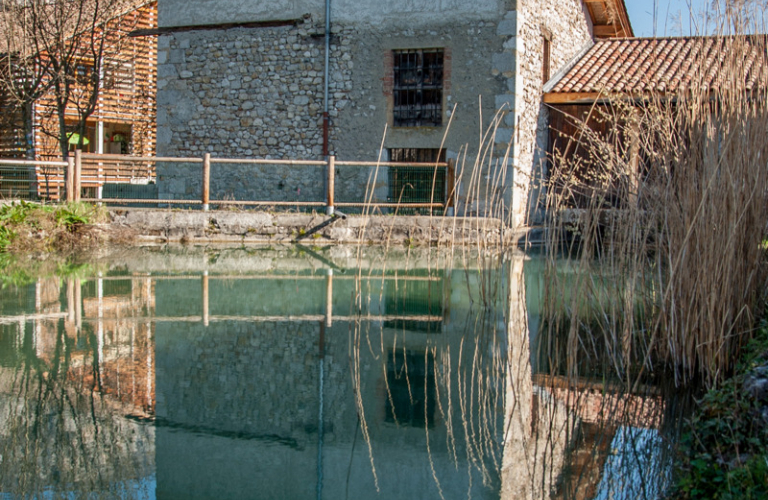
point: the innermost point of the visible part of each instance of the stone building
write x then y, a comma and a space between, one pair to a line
403, 80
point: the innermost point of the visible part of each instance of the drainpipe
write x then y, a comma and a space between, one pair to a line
325, 80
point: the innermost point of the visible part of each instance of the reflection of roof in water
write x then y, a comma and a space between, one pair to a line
596, 402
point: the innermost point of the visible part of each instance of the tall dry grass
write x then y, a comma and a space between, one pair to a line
668, 211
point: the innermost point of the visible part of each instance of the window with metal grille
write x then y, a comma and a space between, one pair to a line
415, 298
418, 88
417, 184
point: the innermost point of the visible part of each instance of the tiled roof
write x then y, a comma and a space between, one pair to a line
643, 65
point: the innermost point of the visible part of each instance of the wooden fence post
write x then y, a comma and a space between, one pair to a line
331, 183
69, 185
450, 202
206, 180
78, 174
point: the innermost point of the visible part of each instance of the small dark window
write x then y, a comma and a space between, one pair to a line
418, 88
414, 299
546, 60
411, 389
81, 72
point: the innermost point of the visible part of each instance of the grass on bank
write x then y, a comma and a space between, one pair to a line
36, 228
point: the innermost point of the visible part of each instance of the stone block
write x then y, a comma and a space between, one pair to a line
176, 56
503, 63
166, 71
164, 136
504, 135
507, 27
168, 97
505, 101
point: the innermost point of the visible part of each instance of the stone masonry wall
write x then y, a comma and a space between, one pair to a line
365, 123
258, 93
570, 28
246, 93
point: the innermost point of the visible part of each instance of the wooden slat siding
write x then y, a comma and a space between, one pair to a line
11, 127
118, 104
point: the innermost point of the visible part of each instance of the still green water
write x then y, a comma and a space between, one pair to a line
293, 373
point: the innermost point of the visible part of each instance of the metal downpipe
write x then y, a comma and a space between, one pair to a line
326, 124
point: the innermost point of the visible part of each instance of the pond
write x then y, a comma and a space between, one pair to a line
297, 372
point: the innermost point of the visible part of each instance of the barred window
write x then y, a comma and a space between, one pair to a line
418, 88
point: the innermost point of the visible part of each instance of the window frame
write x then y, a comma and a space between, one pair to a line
418, 79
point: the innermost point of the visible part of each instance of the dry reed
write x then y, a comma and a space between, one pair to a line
668, 211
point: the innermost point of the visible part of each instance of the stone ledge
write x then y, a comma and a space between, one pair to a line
185, 226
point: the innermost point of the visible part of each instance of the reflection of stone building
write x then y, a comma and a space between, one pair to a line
280, 376
284, 376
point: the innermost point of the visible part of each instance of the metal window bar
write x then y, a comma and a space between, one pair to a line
418, 88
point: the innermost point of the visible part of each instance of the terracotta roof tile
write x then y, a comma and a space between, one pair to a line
639, 65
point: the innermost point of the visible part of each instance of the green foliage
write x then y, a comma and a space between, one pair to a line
11, 274
724, 451
13, 215
6, 237
15, 272
18, 213
73, 214
70, 269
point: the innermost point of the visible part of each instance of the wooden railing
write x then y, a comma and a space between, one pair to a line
95, 171
33, 179
59, 180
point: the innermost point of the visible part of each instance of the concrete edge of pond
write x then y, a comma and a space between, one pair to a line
222, 226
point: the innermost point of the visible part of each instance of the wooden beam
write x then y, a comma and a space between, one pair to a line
606, 31
572, 97
223, 26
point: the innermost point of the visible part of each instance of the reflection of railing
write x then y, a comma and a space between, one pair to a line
21, 318
77, 310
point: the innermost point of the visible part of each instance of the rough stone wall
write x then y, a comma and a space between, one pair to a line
244, 93
570, 28
258, 93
